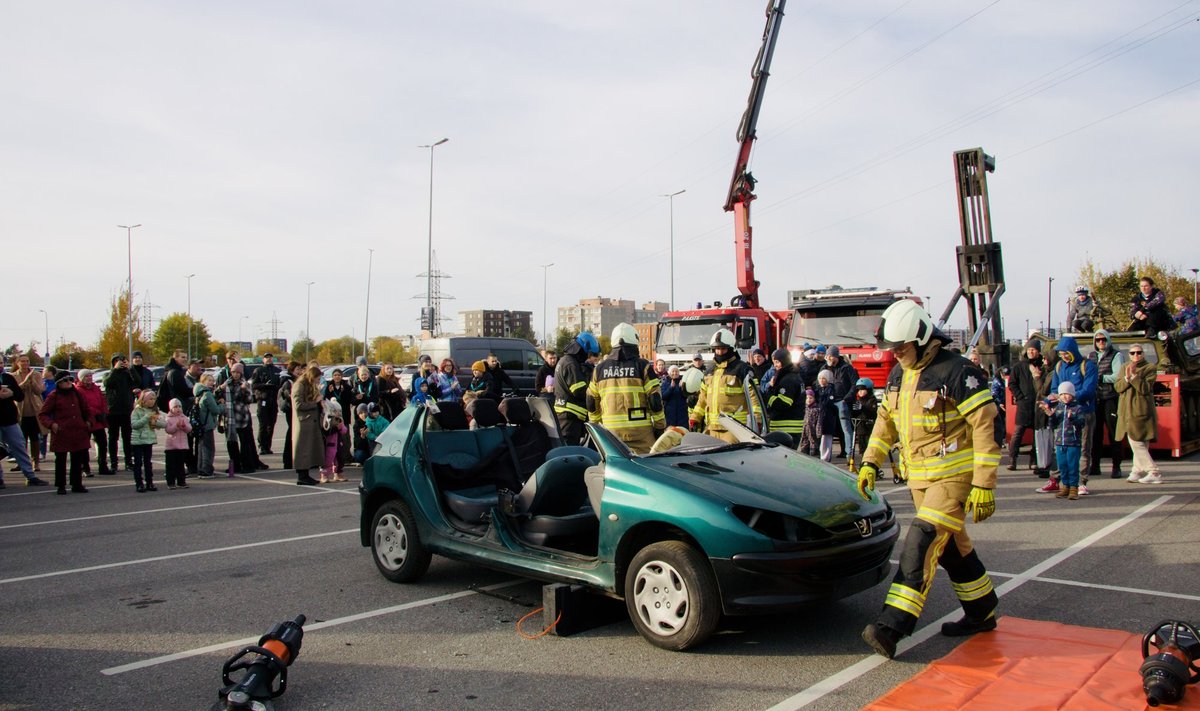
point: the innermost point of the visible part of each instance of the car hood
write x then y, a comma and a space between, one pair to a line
771, 478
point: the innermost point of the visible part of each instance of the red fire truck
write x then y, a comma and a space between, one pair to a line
684, 333
846, 318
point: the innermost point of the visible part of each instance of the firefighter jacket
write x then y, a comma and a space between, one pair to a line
570, 384
624, 396
785, 401
723, 392
941, 413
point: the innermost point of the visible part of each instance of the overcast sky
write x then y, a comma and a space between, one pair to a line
263, 145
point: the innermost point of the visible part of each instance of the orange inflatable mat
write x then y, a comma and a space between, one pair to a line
1026, 664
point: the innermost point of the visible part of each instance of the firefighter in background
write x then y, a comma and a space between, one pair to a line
938, 407
571, 377
723, 390
623, 395
785, 397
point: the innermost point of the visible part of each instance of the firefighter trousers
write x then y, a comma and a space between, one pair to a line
938, 536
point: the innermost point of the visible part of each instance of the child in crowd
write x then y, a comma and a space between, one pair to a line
334, 429
421, 392
1067, 420
143, 421
1186, 316
376, 424
829, 413
178, 427
863, 409
810, 436
481, 382
362, 448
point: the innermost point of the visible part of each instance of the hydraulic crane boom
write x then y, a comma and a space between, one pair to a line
741, 187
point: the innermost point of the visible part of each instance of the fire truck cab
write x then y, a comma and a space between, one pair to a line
682, 334
847, 318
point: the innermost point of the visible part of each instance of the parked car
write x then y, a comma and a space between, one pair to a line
406, 373
349, 370
519, 358
682, 536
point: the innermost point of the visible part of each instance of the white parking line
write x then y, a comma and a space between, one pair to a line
352, 492
139, 561
150, 511
832, 683
154, 661
1081, 584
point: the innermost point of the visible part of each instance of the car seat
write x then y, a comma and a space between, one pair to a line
551, 504
450, 416
530, 440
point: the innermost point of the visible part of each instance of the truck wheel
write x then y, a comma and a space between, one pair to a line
672, 595
395, 545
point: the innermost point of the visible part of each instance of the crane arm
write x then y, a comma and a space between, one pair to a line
741, 186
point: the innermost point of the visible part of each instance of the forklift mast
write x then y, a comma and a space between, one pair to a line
741, 187
980, 267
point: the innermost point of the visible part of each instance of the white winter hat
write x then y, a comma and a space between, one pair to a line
1066, 388
827, 374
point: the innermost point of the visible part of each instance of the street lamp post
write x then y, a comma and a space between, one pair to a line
1195, 285
307, 321
429, 259
671, 200
46, 347
367, 317
129, 303
1049, 290
189, 283
545, 336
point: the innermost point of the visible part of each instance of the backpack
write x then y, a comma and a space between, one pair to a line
195, 414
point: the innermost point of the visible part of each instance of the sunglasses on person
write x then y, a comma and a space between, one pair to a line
1101, 339
1135, 353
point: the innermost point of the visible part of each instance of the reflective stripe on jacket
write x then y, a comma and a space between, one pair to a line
942, 414
785, 401
723, 393
624, 396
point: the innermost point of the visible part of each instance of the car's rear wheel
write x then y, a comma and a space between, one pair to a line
672, 595
396, 545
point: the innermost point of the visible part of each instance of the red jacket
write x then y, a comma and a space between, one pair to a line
97, 405
67, 411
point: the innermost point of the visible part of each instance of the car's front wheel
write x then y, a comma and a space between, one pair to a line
672, 595
395, 544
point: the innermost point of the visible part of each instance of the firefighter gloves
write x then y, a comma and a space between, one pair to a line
981, 502
866, 479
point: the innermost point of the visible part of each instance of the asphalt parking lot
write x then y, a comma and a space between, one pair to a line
116, 599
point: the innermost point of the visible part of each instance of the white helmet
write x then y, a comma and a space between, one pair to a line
723, 337
904, 322
624, 333
692, 379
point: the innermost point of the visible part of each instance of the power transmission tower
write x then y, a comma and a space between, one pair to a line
148, 317
433, 322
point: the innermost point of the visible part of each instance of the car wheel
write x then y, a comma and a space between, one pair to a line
672, 596
395, 544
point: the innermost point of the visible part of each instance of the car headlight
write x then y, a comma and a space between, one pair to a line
780, 527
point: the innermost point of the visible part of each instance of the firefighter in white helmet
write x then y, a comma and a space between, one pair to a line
938, 407
723, 390
624, 396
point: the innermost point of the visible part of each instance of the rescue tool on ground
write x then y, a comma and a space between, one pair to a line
1167, 672
264, 663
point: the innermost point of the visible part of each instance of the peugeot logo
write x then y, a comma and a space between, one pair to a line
864, 527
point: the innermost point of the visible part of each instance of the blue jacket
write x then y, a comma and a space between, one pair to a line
1080, 372
1067, 421
675, 407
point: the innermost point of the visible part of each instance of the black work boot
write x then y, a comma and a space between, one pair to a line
966, 626
882, 639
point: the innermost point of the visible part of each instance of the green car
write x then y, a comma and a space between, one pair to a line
683, 536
